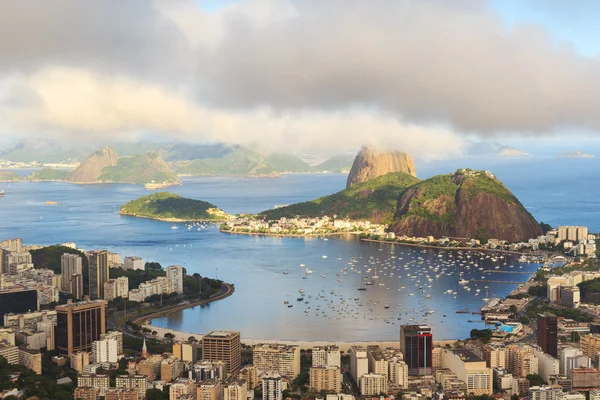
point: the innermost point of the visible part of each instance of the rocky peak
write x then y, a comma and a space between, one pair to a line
371, 163
91, 168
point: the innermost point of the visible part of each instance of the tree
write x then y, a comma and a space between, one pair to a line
484, 334
513, 309
191, 339
169, 336
535, 380
156, 394
153, 266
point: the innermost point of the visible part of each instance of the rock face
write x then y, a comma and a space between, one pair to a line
466, 204
371, 163
90, 170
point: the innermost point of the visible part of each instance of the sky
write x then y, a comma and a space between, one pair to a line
303, 75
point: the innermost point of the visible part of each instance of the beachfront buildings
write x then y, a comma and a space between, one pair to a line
470, 369
285, 359
133, 263
416, 343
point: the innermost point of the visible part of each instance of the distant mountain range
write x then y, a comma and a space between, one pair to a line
492, 149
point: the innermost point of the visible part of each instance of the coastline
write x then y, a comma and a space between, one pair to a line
169, 219
289, 235
442, 247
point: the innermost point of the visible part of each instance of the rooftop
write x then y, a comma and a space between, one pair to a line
221, 334
467, 355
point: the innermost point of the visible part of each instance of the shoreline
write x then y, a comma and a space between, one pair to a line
288, 235
443, 247
169, 219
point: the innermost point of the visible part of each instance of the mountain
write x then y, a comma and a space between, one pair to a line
105, 166
287, 163
10, 176
373, 200
492, 149
171, 207
90, 170
371, 163
49, 174
336, 164
575, 154
466, 204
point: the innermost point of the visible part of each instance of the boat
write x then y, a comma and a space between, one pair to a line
174, 227
51, 203
463, 282
323, 256
1, 193
285, 272
300, 299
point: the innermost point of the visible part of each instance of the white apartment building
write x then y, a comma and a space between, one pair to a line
175, 279
105, 351
272, 386
359, 362
284, 359
326, 356
373, 384
547, 365
543, 393
133, 263
470, 369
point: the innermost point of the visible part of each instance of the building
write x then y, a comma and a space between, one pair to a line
574, 233
175, 279
224, 346
359, 362
31, 359
10, 353
547, 365
585, 379
326, 356
171, 368
86, 393
92, 380
249, 374
284, 359
118, 287
521, 360
398, 373
590, 345
470, 369
186, 351
494, 355
272, 386
99, 272
115, 335
133, 263
150, 367
137, 382
79, 360
210, 389
181, 388
378, 364
416, 343
123, 394
543, 393
571, 396
325, 378
71, 268
206, 369
79, 325
373, 384
105, 351
18, 300
547, 333
594, 395
570, 296
235, 390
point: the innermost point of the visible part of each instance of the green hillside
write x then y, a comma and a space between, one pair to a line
9, 176
283, 162
374, 200
49, 174
336, 164
169, 206
239, 162
139, 169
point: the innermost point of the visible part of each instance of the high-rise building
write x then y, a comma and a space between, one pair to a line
250, 375
115, 335
71, 268
543, 393
93, 380
150, 367
284, 359
235, 390
359, 362
99, 272
224, 346
378, 364
585, 379
326, 356
325, 378
494, 355
398, 375
133, 263
87, 393
209, 389
79, 325
373, 384
186, 351
118, 287
470, 369
416, 343
272, 386
182, 388
137, 382
31, 359
171, 368
10, 353
105, 351
590, 345
175, 279
547, 333
80, 360
18, 301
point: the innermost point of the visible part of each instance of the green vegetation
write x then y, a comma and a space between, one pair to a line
481, 182
537, 291
439, 189
165, 205
535, 380
282, 162
374, 200
49, 257
10, 176
241, 162
484, 334
590, 291
537, 307
139, 169
587, 265
545, 227
336, 164
49, 174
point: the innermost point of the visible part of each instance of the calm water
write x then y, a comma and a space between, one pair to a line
556, 191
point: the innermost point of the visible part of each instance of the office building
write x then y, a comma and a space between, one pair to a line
79, 325
272, 387
18, 300
175, 279
31, 359
99, 272
137, 382
326, 356
284, 359
470, 369
182, 388
325, 379
235, 390
359, 362
416, 343
210, 389
224, 346
186, 351
373, 384
133, 263
547, 333
86, 393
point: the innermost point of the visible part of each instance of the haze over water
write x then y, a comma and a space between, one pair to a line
550, 188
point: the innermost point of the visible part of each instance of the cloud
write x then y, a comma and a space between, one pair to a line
293, 74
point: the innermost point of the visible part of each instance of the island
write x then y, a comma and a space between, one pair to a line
165, 206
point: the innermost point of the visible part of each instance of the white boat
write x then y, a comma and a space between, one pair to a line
463, 282
308, 271
174, 227
323, 256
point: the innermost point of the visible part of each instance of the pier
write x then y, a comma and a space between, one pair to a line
491, 281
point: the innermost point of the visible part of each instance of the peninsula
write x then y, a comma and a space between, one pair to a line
165, 206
